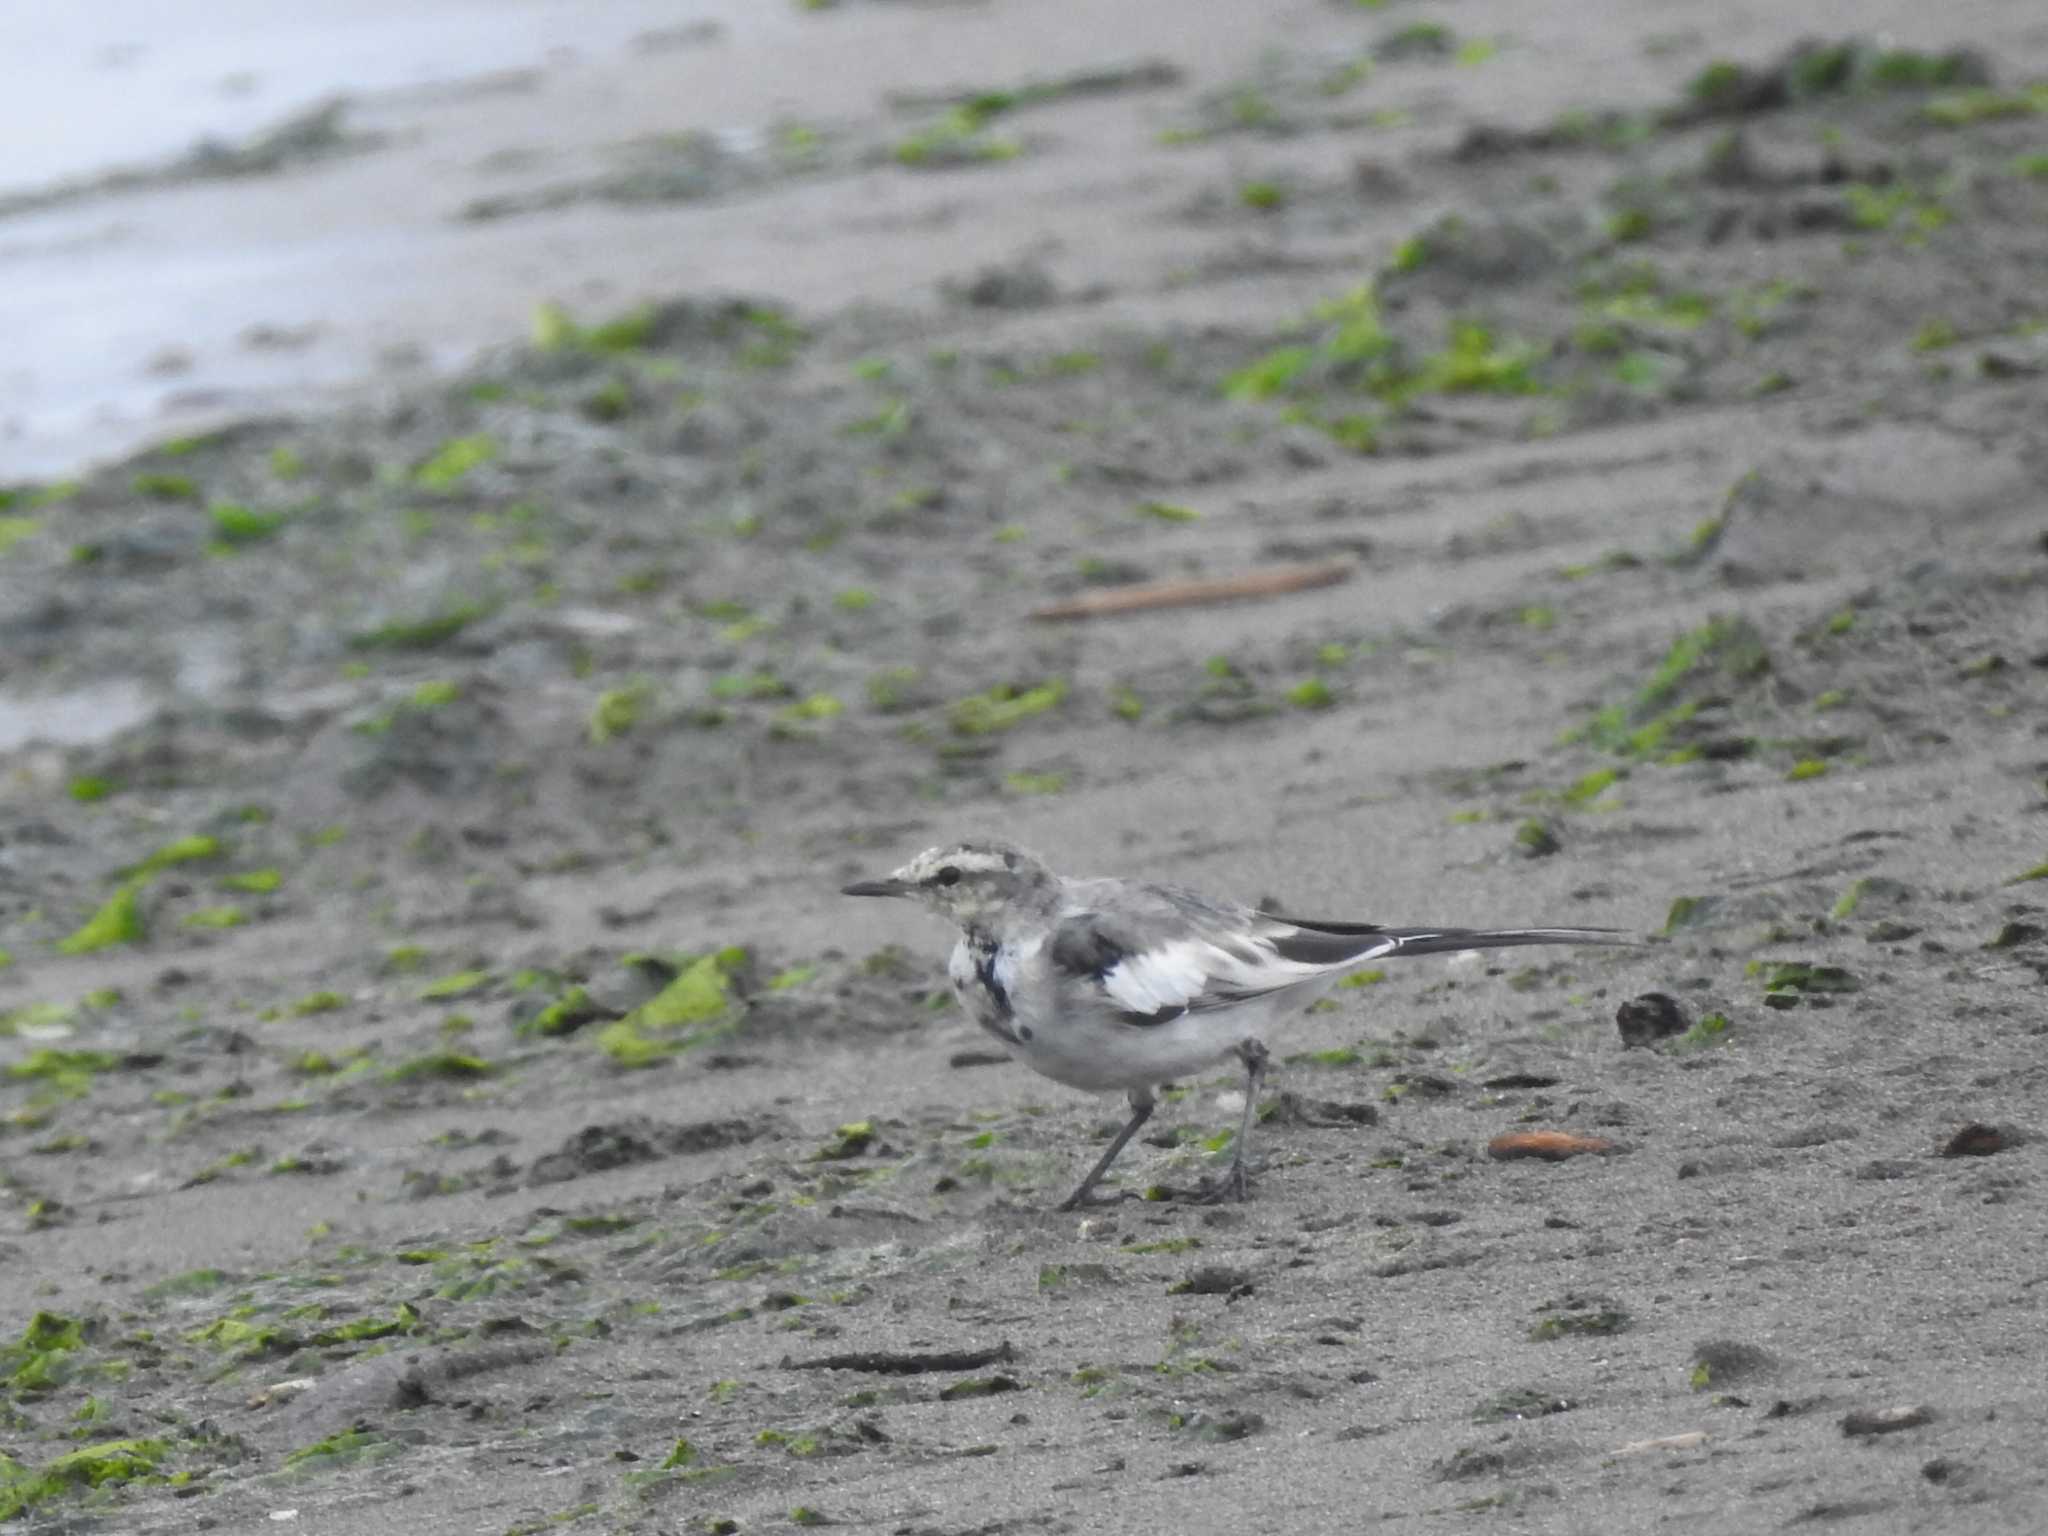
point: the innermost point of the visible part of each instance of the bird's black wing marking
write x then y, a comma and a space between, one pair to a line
1313, 943
1156, 1016
1082, 945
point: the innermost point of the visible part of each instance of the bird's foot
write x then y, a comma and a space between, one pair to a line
1088, 1198
1234, 1185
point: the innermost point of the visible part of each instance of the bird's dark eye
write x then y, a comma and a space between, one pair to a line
948, 876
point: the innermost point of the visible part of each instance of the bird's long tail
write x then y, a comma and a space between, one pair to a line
1347, 943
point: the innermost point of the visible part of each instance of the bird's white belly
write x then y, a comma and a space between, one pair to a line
1096, 1052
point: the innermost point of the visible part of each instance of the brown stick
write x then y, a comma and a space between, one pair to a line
1270, 582
1551, 1146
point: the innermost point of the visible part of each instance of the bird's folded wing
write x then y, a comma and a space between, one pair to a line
1152, 953
1150, 968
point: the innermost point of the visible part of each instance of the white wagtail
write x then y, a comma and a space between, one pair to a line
1123, 984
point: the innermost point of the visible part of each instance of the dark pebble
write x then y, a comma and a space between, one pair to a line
1975, 1140
1886, 1421
1647, 1019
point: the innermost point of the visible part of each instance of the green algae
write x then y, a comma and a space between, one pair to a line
193, 1282
107, 1463
160, 485
1659, 716
956, 138
14, 529
235, 525
215, 918
1708, 1029
39, 1360
447, 1066
565, 1015
1588, 1317
196, 849
458, 984
454, 460
118, 921
851, 1140
1353, 352
421, 634
812, 707
1783, 976
694, 1008
1986, 104
1023, 782
257, 881
617, 711
349, 1448
1003, 707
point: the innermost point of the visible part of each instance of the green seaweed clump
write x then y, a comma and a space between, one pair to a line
697, 1006
617, 711
453, 460
184, 850
852, 1140
351, 1447
1579, 1317
36, 1362
1004, 706
90, 1466
1663, 718
418, 634
958, 137
118, 921
565, 1015
1708, 1029
445, 1065
1787, 976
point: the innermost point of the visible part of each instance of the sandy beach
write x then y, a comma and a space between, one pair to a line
505, 510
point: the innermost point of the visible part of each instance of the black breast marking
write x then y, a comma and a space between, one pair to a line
985, 972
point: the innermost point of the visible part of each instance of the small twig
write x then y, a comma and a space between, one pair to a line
1270, 582
1550, 1146
884, 1362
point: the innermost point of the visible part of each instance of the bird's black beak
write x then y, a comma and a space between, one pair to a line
889, 887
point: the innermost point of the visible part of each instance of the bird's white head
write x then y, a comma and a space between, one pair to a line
976, 886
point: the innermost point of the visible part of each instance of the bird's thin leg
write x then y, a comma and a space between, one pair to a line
1142, 1104
1236, 1184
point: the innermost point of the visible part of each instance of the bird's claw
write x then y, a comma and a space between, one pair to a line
1234, 1185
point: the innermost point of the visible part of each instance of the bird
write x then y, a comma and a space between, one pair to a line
1110, 983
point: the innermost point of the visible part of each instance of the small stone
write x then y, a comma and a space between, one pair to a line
2013, 935
1975, 1140
1212, 1280
1691, 1440
1886, 1421
1647, 1019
